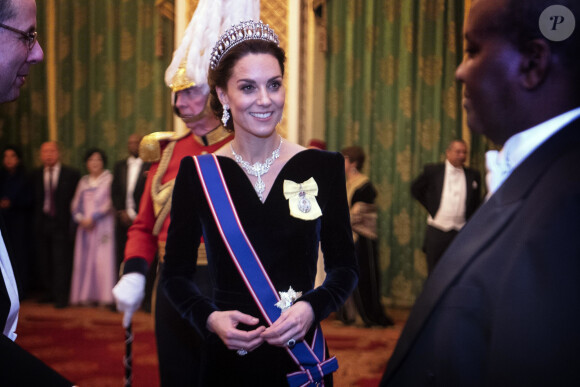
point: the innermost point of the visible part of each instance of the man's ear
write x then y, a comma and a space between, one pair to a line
536, 63
222, 96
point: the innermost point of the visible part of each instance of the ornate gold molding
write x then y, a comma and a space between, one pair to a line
275, 13
166, 9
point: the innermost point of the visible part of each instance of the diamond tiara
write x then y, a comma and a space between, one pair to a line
246, 30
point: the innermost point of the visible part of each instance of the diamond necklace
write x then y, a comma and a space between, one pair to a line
258, 169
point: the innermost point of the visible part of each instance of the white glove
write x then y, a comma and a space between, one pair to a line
129, 293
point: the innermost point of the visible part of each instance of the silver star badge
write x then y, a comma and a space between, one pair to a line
288, 298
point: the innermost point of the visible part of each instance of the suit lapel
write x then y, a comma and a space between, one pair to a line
60, 180
123, 177
439, 181
468, 184
487, 222
39, 180
4, 297
142, 171
471, 193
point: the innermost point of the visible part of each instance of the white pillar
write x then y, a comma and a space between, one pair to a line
293, 70
180, 12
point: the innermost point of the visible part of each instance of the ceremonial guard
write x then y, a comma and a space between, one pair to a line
177, 343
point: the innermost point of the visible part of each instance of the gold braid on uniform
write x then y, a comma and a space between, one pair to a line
150, 151
161, 193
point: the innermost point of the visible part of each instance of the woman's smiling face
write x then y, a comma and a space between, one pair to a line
255, 94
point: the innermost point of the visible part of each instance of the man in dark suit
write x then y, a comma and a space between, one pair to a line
54, 187
129, 179
502, 307
451, 193
18, 51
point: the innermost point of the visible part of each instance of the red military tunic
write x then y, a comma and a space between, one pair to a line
141, 242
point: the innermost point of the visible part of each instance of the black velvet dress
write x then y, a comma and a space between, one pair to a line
286, 245
366, 296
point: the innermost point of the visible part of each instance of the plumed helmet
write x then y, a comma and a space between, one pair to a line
210, 20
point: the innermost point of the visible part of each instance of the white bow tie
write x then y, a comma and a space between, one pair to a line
498, 169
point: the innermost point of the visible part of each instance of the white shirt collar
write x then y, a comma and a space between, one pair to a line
55, 167
519, 146
9, 329
451, 168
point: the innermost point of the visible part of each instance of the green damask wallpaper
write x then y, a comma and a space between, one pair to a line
392, 90
105, 61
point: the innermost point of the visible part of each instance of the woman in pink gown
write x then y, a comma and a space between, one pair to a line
94, 259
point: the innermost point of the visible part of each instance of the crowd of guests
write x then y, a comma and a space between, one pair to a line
74, 258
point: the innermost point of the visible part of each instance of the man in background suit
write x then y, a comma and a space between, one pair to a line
54, 188
502, 307
18, 51
129, 178
451, 193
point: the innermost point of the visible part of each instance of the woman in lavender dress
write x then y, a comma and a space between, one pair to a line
94, 259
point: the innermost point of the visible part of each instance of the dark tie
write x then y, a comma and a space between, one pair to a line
51, 206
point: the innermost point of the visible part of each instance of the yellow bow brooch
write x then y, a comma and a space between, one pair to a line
302, 199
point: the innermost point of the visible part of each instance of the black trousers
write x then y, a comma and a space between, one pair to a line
120, 241
54, 260
178, 343
436, 242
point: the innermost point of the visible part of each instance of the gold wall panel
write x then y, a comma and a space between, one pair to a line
191, 8
275, 13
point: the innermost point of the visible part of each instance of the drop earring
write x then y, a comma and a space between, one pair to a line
226, 114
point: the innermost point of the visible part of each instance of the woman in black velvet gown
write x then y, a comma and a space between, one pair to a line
259, 167
366, 298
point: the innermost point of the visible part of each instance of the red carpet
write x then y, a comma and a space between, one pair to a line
86, 345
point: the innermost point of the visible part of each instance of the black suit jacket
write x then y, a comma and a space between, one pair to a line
4, 298
119, 186
17, 366
428, 188
65, 190
502, 306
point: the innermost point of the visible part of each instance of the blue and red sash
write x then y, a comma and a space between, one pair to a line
310, 358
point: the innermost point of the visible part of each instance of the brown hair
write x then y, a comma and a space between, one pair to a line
355, 154
220, 76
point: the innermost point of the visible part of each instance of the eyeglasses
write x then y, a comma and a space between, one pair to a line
29, 36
